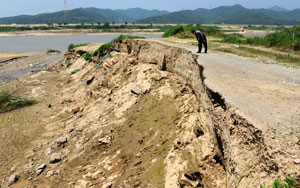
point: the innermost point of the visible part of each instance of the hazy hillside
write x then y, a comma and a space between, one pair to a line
236, 14
138, 13
85, 15
80, 15
278, 8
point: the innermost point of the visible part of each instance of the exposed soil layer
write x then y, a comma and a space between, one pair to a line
144, 119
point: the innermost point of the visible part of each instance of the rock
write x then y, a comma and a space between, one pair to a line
55, 158
57, 172
13, 169
136, 90
49, 173
12, 179
40, 168
297, 161
60, 142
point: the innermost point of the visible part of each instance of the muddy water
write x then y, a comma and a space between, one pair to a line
58, 42
20, 67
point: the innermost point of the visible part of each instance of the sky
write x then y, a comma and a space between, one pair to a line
32, 7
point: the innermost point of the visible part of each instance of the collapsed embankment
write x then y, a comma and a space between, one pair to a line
144, 119
239, 146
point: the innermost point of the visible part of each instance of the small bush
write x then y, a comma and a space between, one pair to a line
235, 39
80, 52
72, 46
88, 57
52, 51
9, 102
173, 31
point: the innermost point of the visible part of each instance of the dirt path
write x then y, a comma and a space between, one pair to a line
268, 95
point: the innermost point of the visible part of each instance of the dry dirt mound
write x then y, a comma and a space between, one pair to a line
144, 119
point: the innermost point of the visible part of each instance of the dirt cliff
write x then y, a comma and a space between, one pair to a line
143, 119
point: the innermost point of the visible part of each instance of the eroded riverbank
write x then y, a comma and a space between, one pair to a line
143, 119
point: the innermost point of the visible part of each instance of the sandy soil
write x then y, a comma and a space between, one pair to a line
145, 118
268, 95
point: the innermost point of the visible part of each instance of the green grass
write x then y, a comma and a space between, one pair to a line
88, 57
286, 38
75, 71
52, 51
103, 48
81, 52
279, 57
181, 31
72, 46
225, 50
8, 102
289, 183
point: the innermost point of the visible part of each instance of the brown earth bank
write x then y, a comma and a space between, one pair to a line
142, 119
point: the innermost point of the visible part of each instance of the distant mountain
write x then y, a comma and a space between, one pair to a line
138, 13
236, 14
278, 8
81, 15
85, 15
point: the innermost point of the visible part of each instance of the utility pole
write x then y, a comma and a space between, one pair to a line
65, 7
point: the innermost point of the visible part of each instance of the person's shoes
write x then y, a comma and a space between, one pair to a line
199, 52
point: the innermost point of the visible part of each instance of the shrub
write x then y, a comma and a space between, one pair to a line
72, 46
185, 31
52, 51
88, 57
80, 52
9, 102
235, 39
106, 24
173, 31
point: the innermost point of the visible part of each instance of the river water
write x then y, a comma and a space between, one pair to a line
57, 42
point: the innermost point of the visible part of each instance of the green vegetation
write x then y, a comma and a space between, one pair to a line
75, 71
72, 46
103, 48
287, 39
88, 57
9, 102
289, 183
185, 31
80, 52
52, 51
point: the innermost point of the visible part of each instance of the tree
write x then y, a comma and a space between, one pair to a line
133, 23
126, 23
113, 23
99, 23
65, 23
106, 24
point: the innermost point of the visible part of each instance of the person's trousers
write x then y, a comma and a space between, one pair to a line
200, 46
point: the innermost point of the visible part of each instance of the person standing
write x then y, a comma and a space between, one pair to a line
201, 37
